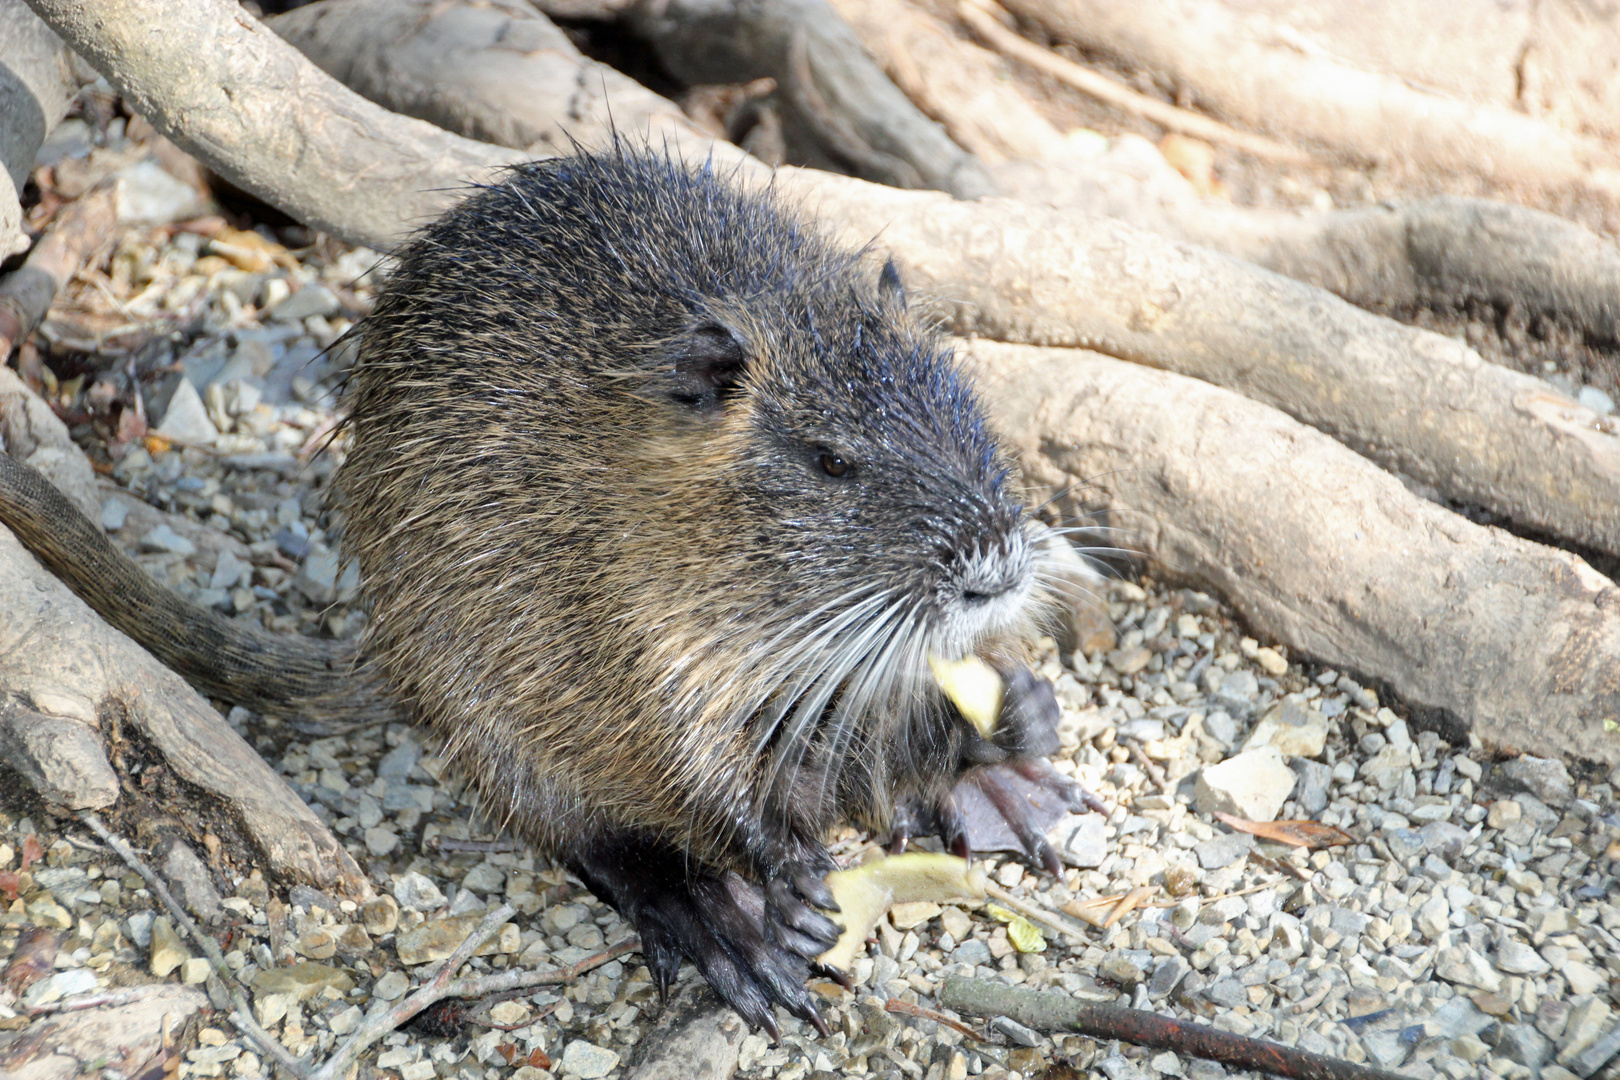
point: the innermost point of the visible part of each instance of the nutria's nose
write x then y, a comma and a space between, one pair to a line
982, 590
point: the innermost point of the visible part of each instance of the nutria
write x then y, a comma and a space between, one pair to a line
664, 503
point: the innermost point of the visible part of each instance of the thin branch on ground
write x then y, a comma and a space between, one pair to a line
242, 1015
895, 1005
443, 985
1051, 1011
1037, 914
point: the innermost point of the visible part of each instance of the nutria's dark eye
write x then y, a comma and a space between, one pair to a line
833, 465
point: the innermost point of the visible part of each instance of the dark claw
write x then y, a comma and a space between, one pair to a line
1040, 772
836, 976
813, 887
663, 960
792, 897
1046, 855
953, 828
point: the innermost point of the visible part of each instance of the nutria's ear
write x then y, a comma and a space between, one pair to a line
889, 284
709, 363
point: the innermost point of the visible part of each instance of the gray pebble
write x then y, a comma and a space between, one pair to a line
391, 987
1228, 993
310, 300
1220, 726
1238, 691
1445, 839
190, 880
317, 579
1223, 850
1385, 1049
293, 542
187, 420
1017, 1032
147, 194
972, 951
113, 514
1517, 958
1524, 1044
162, 538
1116, 1067
398, 762
416, 892
1314, 779
1166, 976
60, 985
1142, 729
587, 1060
1359, 696
229, 571
1405, 844
1544, 778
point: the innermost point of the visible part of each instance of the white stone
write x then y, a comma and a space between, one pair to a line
391, 987
187, 420
587, 1060
1252, 785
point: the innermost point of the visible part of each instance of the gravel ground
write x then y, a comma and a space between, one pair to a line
1468, 929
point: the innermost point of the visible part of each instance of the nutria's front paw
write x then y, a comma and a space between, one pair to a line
1007, 806
1010, 806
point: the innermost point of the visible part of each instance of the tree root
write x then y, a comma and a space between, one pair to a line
68, 679
222, 86
27, 292
1253, 73
1415, 402
1473, 628
498, 73
839, 107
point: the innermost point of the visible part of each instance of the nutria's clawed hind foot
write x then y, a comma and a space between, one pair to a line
718, 921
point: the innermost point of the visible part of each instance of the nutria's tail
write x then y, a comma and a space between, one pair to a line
283, 674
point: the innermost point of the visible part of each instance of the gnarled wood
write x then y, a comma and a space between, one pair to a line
1485, 632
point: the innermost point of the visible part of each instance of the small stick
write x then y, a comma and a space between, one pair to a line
1086, 81
242, 1015
442, 986
520, 980
26, 294
895, 1005
1040, 915
376, 1027
1051, 1012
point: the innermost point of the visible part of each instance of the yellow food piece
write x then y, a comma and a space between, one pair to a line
1025, 936
866, 893
973, 687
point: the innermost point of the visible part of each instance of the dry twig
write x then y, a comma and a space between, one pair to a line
1054, 1012
242, 1015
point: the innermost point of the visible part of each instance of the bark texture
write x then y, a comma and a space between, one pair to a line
1251, 71
500, 73
1482, 631
222, 86
839, 108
